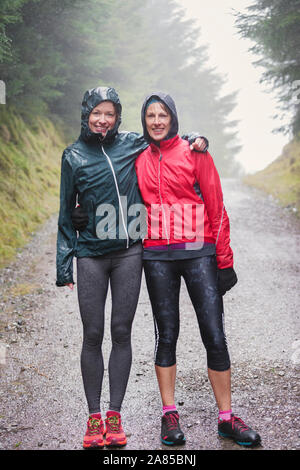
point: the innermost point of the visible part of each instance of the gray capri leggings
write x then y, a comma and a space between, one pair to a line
123, 270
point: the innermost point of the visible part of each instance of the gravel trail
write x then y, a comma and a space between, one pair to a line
42, 401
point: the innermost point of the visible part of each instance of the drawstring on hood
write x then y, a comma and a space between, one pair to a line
170, 105
91, 99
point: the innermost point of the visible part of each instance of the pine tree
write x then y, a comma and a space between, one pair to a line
274, 26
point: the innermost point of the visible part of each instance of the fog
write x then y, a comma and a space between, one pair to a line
256, 103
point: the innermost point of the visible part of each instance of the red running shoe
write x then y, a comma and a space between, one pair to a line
114, 433
94, 433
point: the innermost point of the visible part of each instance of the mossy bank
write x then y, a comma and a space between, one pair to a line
30, 158
281, 178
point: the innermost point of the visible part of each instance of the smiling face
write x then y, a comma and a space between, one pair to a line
103, 118
158, 121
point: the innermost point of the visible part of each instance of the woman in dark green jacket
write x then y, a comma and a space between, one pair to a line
98, 173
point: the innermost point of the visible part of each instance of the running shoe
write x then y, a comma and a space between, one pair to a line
237, 430
114, 433
94, 433
171, 433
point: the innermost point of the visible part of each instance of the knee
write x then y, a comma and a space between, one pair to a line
165, 354
120, 334
217, 354
165, 346
92, 337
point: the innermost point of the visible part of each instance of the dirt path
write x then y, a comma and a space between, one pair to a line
42, 400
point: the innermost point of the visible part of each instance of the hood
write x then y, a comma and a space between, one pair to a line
91, 99
170, 104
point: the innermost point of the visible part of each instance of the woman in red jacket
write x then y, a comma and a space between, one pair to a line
188, 236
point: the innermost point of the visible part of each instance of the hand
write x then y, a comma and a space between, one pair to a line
79, 218
70, 285
227, 278
199, 145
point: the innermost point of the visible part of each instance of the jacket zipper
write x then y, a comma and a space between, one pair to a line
118, 193
161, 202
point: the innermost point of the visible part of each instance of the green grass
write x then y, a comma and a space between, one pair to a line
29, 178
281, 178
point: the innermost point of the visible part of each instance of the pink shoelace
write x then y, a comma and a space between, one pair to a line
172, 420
239, 423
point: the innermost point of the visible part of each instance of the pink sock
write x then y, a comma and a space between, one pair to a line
225, 415
169, 408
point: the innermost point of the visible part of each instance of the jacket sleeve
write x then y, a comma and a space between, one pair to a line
66, 236
139, 144
210, 186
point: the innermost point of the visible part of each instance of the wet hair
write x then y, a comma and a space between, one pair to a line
157, 100
117, 111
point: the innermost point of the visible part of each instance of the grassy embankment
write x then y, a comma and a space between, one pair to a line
29, 179
281, 178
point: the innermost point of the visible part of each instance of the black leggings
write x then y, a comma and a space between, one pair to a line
123, 270
163, 282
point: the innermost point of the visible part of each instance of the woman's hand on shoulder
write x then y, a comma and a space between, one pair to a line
199, 145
